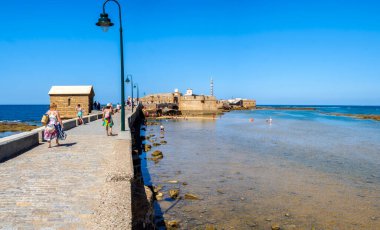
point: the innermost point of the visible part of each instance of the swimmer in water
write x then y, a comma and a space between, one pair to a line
162, 128
269, 120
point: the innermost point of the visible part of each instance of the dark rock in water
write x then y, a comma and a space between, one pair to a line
184, 183
147, 147
163, 142
172, 224
173, 193
157, 153
275, 227
159, 196
251, 224
156, 144
157, 188
220, 191
190, 196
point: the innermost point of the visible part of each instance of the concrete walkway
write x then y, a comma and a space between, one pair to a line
82, 184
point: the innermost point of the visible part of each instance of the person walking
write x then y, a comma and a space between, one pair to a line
51, 128
79, 114
107, 119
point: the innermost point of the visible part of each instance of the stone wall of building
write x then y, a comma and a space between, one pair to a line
198, 104
66, 104
249, 104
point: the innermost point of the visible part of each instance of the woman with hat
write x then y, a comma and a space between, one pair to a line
51, 128
107, 118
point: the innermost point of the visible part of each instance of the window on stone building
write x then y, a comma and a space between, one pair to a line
69, 101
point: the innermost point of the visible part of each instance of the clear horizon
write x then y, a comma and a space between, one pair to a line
276, 52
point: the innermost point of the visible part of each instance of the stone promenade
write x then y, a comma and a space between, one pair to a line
82, 184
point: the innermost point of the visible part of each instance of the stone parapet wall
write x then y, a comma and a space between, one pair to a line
13, 145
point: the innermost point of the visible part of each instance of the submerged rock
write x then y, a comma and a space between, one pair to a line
147, 147
157, 153
275, 227
163, 142
190, 196
156, 144
172, 224
157, 188
173, 193
159, 196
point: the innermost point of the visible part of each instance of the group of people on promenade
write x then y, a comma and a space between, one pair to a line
54, 125
96, 105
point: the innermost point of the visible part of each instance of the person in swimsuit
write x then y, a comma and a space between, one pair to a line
80, 114
50, 131
107, 119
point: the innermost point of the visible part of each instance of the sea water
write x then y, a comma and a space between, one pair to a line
30, 114
306, 169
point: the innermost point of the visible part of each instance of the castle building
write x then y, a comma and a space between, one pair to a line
68, 97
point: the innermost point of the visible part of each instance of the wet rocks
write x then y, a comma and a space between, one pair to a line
172, 181
147, 147
157, 153
275, 227
190, 196
172, 224
163, 142
16, 127
156, 144
174, 193
159, 196
157, 188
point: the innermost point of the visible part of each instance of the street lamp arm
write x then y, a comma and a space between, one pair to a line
118, 4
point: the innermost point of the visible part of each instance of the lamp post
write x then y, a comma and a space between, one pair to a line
137, 89
105, 23
127, 80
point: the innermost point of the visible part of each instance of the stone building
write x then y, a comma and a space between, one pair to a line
249, 104
68, 97
188, 104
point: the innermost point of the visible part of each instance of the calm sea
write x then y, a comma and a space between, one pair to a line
305, 170
30, 114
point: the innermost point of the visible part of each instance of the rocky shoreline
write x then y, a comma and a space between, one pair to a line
16, 127
287, 108
358, 116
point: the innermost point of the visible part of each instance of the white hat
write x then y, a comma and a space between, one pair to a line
109, 104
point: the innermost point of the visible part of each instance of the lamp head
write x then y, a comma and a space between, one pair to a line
127, 80
104, 22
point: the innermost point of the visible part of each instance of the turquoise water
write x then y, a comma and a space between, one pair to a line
320, 170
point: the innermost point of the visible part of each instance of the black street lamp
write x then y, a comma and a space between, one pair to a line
137, 89
127, 80
105, 23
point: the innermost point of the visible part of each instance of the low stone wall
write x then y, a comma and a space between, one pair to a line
16, 144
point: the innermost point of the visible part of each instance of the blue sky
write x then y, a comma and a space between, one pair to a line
277, 52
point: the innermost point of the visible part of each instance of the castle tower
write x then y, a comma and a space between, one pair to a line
212, 87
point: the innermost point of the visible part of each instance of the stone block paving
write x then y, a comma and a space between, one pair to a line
57, 188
